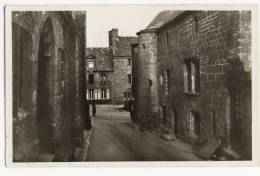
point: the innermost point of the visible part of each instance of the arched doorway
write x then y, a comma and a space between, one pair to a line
45, 87
174, 121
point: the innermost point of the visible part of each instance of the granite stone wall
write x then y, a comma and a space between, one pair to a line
219, 41
215, 47
47, 53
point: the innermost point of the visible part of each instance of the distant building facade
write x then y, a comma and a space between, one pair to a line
110, 78
193, 77
49, 109
98, 74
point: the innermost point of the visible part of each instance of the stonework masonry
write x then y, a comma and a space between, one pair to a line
48, 84
146, 80
199, 63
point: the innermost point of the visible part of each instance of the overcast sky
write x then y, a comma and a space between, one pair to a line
128, 20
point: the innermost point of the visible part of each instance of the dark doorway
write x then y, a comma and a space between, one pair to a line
45, 87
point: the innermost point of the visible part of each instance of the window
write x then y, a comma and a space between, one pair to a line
103, 78
103, 93
167, 81
91, 79
91, 64
161, 79
91, 94
129, 78
129, 62
191, 76
150, 82
194, 123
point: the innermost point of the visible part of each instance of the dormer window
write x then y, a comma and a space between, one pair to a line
91, 61
91, 64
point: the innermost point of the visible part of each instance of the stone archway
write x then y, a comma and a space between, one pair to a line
45, 84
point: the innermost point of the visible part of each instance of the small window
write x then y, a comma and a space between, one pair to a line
191, 76
91, 93
91, 79
150, 82
129, 78
194, 119
103, 93
161, 79
91, 64
103, 78
129, 62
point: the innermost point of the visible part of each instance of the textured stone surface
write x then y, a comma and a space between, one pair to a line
220, 41
64, 49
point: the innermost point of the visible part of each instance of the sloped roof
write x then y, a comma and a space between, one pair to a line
163, 18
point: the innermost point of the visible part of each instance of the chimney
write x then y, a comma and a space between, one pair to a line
113, 37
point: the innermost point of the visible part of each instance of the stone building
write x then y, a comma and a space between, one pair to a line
193, 78
110, 78
99, 69
49, 108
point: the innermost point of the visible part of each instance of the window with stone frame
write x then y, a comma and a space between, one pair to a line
161, 79
129, 76
91, 94
191, 75
103, 78
129, 62
90, 64
103, 93
91, 78
194, 121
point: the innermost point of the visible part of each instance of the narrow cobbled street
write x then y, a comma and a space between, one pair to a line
116, 138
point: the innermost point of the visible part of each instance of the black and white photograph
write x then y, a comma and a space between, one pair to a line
135, 83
